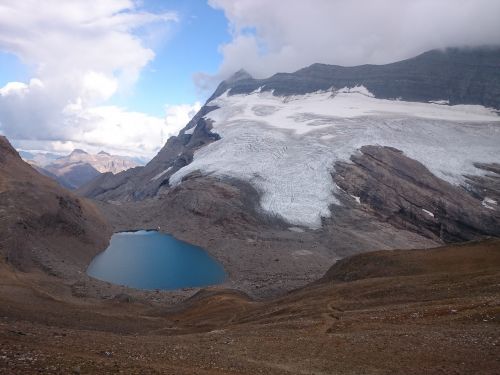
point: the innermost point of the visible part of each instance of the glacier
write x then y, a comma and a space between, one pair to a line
286, 147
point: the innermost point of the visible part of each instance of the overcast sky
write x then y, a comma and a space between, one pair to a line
270, 36
123, 75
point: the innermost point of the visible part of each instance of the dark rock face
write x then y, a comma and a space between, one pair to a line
487, 186
145, 182
462, 76
403, 192
78, 175
51, 175
230, 204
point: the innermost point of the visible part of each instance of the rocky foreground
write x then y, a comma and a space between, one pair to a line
399, 312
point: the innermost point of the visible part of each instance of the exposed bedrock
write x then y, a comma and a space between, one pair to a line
406, 194
462, 76
486, 187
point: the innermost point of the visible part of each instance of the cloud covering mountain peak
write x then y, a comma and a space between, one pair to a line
284, 36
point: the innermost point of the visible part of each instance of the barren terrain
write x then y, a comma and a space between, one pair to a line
419, 311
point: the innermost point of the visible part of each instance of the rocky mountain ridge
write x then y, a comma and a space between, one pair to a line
455, 75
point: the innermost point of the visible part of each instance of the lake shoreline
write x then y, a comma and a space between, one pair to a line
151, 260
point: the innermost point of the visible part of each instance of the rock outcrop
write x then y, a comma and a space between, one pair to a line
460, 76
403, 192
146, 182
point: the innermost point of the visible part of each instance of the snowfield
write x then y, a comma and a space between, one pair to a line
286, 147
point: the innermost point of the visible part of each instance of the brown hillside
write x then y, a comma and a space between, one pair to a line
42, 224
429, 312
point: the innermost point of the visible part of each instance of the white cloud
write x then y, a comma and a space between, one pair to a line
98, 86
179, 115
19, 88
125, 132
81, 54
75, 36
283, 36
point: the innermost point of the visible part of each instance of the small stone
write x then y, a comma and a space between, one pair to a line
77, 370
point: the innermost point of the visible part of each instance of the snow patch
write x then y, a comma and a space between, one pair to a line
489, 203
302, 253
161, 174
357, 199
356, 90
190, 131
309, 112
427, 212
327, 136
440, 102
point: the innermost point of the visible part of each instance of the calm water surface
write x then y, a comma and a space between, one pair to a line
153, 260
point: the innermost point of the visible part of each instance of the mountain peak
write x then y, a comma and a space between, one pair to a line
78, 151
240, 75
103, 153
6, 148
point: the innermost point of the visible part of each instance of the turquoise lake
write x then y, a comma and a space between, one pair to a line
153, 260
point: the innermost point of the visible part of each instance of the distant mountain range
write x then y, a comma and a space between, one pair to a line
79, 167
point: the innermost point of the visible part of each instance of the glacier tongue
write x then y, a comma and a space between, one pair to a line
287, 146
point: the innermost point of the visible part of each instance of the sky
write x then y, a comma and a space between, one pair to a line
124, 75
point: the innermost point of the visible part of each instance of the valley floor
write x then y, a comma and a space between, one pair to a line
261, 260
389, 312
